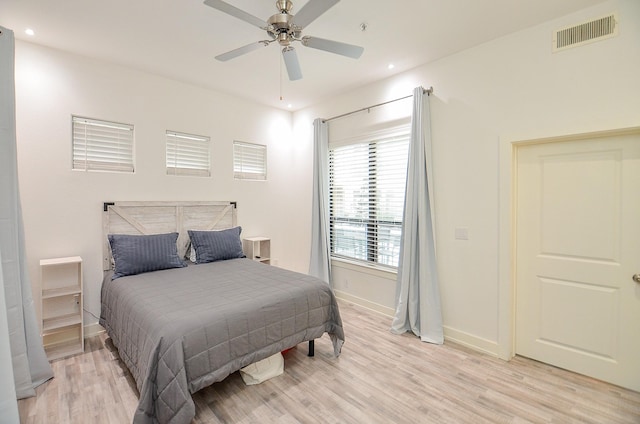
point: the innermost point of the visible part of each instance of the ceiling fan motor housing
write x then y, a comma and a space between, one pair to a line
281, 28
284, 6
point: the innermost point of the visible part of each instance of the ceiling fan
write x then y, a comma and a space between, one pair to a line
286, 28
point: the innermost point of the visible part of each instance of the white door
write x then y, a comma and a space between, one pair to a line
578, 249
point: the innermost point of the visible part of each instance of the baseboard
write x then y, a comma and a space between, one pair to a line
450, 334
472, 342
92, 330
376, 307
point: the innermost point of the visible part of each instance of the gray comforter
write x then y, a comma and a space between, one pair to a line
180, 330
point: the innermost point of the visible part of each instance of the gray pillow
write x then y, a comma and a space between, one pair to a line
213, 246
137, 254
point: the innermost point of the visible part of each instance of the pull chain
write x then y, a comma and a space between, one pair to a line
280, 61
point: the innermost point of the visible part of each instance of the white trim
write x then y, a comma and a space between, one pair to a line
367, 268
507, 237
364, 303
451, 335
472, 342
506, 246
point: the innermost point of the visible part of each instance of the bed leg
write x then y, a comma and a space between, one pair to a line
311, 348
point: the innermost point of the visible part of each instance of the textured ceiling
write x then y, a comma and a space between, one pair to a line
179, 38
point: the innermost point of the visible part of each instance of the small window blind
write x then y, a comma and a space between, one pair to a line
249, 161
101, 145
188, 154
366, 199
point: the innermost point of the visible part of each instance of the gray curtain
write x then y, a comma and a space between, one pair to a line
30, 365
8, 402
320, 264
418, 296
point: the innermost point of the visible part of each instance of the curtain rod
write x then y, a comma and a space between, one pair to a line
428, 91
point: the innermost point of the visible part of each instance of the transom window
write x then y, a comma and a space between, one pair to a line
249, 161
101, 145
188, 154
366, 199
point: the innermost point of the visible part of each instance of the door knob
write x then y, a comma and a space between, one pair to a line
636, 278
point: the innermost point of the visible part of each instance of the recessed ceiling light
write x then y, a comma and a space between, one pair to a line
289, 105
391, 66
29, 31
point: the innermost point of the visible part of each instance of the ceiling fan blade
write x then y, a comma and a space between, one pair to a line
311, 11
291, 61
337, 47
236, 13
241, 50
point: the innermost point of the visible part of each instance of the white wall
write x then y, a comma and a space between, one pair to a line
62, 208
511, 88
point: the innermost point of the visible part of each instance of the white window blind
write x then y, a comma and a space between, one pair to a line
102, 145
249, 161
366, 199
188, 154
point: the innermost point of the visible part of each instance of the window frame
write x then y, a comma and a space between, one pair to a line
372, 225
198, 147
241, 174
109, 144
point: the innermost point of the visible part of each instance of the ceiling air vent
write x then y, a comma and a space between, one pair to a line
588, 32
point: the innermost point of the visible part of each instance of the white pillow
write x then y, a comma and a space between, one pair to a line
263, 370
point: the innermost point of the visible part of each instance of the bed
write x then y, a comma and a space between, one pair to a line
183, 328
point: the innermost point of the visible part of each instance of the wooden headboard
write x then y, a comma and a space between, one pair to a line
163, 217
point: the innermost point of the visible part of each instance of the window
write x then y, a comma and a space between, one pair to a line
101, 145
366, 199
188, 154
249, 161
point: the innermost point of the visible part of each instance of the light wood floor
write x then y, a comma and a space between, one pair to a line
379, 378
